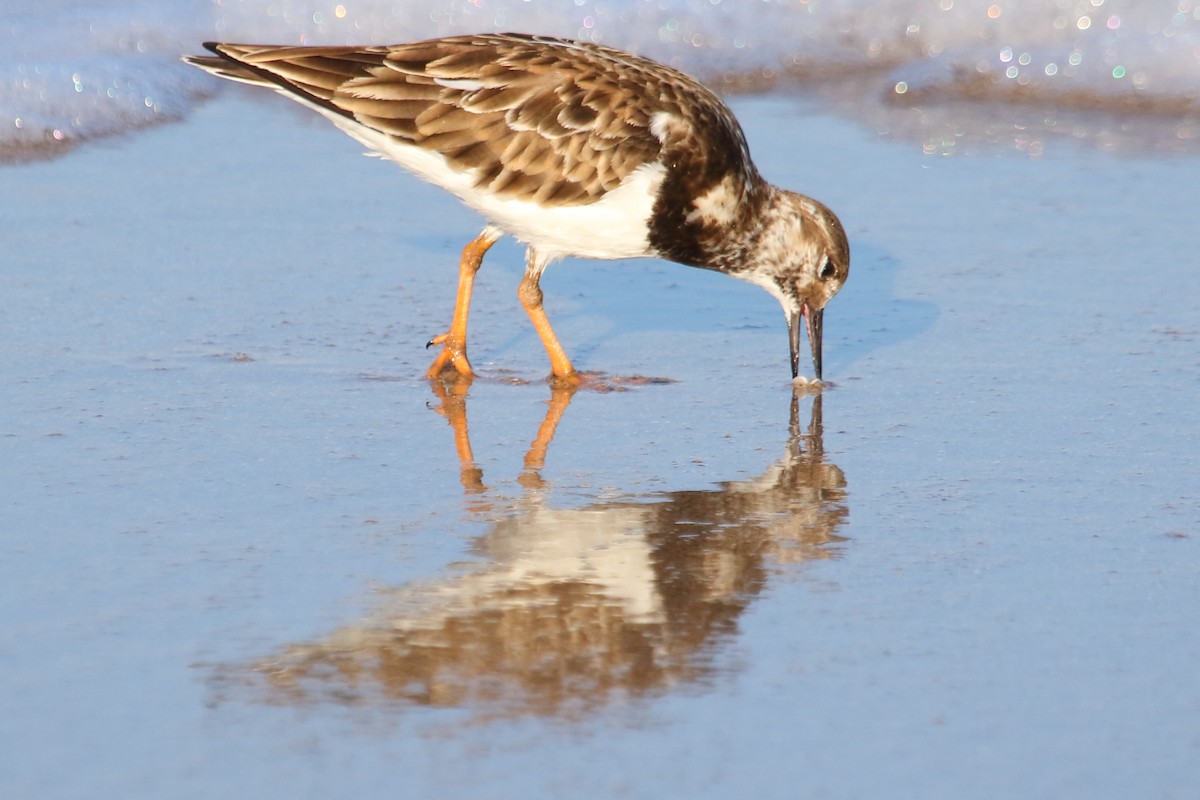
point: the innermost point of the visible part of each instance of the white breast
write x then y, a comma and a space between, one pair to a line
615, 226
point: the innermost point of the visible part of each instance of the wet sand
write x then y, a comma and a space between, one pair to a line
249, 551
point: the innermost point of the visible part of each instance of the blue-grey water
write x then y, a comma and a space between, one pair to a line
246, 551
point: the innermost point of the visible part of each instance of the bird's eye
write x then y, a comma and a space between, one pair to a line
828, 271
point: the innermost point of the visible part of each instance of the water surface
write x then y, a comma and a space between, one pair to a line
248, 551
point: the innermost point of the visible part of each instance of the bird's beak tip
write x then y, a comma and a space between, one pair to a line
793, 323
814, 319
813, 323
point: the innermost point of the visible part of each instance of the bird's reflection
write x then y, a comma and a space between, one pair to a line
570, 609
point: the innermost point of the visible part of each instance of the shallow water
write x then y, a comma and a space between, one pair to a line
247, 551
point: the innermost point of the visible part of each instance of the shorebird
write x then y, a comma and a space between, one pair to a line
574, 149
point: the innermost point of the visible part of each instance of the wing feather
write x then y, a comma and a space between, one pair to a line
529, 118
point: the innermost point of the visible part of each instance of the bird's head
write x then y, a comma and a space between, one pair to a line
802, 259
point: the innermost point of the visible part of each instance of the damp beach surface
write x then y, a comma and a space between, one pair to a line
246, 550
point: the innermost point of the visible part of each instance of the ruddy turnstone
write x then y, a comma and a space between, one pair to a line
575, 150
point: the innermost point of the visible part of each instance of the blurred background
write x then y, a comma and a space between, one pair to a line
955, 75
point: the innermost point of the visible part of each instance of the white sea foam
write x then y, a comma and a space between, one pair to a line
74, 70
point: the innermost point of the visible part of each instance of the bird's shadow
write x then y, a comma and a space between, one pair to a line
868, 314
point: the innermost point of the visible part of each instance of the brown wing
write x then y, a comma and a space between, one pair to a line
536, 118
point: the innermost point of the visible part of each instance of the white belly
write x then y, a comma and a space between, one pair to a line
615, 226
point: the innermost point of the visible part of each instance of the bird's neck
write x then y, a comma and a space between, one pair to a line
708, 223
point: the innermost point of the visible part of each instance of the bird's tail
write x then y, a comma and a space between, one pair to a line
224, 67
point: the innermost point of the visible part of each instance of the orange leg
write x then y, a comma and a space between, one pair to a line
454, 341
531, 298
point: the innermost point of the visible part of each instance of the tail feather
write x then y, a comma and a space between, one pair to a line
307, 74
227, 68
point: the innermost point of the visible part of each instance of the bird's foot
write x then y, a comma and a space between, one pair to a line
452, 358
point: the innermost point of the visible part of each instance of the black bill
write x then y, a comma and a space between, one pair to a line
814, 322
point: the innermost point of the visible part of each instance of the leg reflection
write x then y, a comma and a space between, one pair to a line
452, 395
535, 459
453, 406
